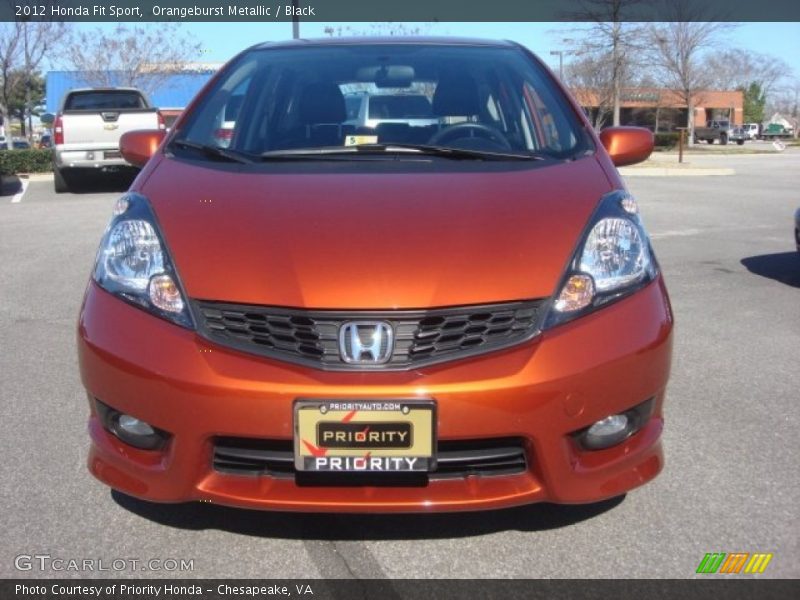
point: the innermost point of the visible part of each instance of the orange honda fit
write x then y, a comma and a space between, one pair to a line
378, 275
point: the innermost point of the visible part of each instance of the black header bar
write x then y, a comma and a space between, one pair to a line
331, 11
739, 588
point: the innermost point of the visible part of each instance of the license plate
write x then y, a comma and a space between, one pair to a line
372, 436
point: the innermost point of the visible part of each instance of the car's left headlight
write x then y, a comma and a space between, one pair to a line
134, 265
613, 260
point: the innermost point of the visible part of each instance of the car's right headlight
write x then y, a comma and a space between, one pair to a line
134, 265
613, 260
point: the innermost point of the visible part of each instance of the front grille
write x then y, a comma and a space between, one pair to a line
420, 337
454, 458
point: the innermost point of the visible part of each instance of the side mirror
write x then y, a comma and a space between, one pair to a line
627, 145
138, 146
47, 119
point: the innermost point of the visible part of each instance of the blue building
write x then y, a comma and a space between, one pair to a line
171, 96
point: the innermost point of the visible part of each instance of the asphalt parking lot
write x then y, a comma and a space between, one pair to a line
730, 485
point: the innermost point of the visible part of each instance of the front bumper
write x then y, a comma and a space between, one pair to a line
539, 391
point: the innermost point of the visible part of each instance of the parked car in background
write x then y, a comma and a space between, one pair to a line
738, 135
720, 131
88, 127
227, 121
303, 319
393, 115
752, 130
14, 143
776, 131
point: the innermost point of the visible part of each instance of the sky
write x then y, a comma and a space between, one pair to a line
222, 40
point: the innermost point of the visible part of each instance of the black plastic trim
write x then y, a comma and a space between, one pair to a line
406, 323
455, 459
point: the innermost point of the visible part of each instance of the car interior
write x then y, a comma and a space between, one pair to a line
420, 99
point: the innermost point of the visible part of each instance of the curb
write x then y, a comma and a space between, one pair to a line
36, 176
667, 172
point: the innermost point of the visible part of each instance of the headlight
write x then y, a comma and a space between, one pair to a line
133, 262
613, 260
615, 254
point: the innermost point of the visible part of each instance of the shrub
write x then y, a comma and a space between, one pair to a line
25, 161
667, 140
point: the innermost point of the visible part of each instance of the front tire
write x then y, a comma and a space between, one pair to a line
59, 182
711, 141
740, 142
723, 139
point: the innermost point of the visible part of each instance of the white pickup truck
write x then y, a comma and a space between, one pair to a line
88, 126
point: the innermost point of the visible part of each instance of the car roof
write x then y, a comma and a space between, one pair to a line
104, 89
405, 40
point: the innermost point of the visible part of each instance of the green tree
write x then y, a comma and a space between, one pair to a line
17, 99
754, 100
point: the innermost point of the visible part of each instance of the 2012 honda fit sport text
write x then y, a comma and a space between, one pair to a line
456, 309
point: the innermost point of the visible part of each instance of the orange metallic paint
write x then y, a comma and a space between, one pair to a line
627, 145
138, 146
340, 241
167, 376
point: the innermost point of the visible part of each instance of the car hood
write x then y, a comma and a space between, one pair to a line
373, 240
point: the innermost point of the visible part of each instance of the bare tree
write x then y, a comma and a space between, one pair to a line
141, 57
385, 29
786, 101
735, 68
610, 43
590, 82
10, 36
23, 47
677, 48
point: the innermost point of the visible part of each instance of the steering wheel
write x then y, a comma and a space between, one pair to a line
484, 131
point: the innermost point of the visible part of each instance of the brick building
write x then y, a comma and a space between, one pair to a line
663, 110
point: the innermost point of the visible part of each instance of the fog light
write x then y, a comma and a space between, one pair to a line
133, 426
131, 430
607, 432
614, 429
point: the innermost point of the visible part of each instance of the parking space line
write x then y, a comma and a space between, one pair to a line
707, 230
18, 196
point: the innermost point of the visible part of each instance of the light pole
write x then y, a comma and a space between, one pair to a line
295, 20
560, 54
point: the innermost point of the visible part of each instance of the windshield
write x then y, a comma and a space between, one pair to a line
476, 98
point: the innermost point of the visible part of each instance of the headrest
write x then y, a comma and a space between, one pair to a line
456, 95
321, 102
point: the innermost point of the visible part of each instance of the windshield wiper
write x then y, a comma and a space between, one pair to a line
214, 151
424, 149
455, 153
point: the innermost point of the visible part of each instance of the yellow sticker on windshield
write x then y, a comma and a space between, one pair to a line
356, 140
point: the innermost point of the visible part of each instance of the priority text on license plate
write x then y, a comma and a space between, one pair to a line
365, 435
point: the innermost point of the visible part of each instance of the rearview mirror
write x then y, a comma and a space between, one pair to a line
138, 146
627, 145
387, 76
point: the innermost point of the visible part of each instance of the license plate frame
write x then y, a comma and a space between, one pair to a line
353, 421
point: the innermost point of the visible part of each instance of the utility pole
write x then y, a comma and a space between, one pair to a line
617, 68
27, 111
560, 54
